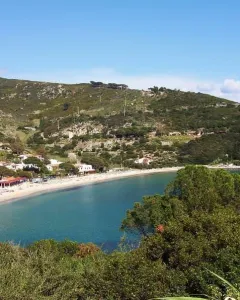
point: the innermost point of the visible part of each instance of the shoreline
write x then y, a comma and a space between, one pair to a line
27, 190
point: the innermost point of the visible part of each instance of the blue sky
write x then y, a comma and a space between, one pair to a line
186, 44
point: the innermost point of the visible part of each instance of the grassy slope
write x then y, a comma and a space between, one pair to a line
26, 102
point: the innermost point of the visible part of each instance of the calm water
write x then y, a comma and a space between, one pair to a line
91, 213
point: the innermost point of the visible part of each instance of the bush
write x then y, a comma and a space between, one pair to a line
26, 174
84, 250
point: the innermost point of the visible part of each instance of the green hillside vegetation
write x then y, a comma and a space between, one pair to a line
170, 127
194, 227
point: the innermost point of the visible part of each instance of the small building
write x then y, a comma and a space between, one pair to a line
49, 167
19, 166
55, 162
174, 133
22, 157
86, 169
191, 132
12, 166
166, 143
143, 161
9, 181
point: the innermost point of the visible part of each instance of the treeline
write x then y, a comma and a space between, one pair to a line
5, 172
193, 227
115, 86
191, 111
213, 147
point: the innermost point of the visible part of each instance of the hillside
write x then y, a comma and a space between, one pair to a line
115, 122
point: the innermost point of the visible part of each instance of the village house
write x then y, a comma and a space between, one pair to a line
147, 93
49, 167
21, 166
222, 104
86, 169
197, 133
166, 143
143, 160
174, 133
55, 162
9, 181
22, 157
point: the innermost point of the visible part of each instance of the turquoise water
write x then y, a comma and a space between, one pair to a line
92, 213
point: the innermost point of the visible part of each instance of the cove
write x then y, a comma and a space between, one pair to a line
91, 213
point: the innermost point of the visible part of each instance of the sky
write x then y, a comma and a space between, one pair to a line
192, 45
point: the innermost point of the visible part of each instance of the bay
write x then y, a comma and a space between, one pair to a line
91, 213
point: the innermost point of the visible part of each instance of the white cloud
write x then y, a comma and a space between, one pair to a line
228, 88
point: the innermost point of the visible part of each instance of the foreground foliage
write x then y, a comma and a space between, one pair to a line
193, 228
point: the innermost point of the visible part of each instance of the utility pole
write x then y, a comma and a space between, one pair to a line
125, 104
73, 122
58, 126
143, 111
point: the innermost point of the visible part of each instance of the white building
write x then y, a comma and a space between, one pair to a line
143, 160
10, 166
22, 157
49, 167
84, 168
55, 162
20, 166
174, 133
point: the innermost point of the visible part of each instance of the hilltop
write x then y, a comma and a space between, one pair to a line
114, 122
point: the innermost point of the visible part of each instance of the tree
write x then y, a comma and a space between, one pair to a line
37, 165
117, 86
201, 188
33, 161
6, 172
224, 184
41, 151
194, 185
201, 230
195, 189
68, 168
35, 139
146, 216
191, 244
26, 174
17, 146
97, 162
96, 84
155, 90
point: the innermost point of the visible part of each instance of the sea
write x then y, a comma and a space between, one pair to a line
91, 213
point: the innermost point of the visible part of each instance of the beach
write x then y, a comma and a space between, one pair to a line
28, 189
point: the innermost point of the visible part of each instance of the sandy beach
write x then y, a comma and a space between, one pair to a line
28, 189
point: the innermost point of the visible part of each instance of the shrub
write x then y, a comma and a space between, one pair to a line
87, 249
